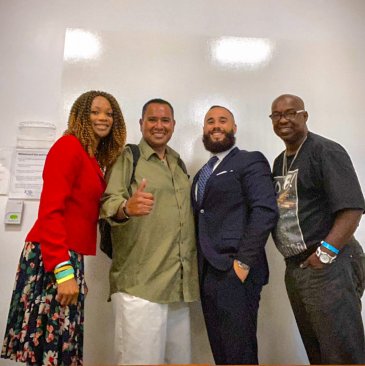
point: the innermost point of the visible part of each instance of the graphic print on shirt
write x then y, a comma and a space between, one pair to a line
288, 235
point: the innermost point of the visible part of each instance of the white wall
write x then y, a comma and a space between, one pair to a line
161, 48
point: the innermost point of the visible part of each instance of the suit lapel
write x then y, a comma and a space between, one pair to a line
220, 168
225, 161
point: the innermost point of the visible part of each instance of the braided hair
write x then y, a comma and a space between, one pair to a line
110, 146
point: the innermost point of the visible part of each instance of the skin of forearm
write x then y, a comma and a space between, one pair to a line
344, 227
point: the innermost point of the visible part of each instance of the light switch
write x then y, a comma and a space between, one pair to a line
13, 212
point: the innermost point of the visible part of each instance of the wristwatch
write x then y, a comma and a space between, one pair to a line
324, 257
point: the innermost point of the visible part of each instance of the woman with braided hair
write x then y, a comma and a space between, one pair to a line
46, 316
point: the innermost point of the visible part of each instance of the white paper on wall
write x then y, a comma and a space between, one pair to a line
36, 134
26, 180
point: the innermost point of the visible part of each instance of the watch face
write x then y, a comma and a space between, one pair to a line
324, 258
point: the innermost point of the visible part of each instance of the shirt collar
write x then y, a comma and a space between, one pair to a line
147, 151
223, 154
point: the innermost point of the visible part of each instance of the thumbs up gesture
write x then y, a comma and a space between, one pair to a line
141, 202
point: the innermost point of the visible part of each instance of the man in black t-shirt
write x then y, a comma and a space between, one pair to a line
320, 205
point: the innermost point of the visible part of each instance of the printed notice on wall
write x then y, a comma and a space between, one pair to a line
26, 180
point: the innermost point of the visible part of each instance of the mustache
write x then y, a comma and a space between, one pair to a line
159, 129
217, 129
219, 146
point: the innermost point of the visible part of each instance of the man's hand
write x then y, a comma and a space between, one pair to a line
313, 262
240, 272
67, 292
140, 204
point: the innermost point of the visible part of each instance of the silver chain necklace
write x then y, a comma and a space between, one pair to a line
285, 169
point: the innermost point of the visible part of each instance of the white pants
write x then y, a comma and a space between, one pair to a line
150, 333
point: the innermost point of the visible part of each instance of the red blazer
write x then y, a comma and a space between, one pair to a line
69, 206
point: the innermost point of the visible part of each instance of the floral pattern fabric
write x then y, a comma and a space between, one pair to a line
39, 330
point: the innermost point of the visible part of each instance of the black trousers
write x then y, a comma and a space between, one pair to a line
230, 310
327, 307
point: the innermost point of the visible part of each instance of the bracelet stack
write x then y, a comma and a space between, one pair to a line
64, 272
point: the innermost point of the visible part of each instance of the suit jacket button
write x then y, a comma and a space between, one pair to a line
201, 211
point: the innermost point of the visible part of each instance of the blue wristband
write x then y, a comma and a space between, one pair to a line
65, 273
330, 247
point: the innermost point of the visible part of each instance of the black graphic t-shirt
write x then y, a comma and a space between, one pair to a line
320, 182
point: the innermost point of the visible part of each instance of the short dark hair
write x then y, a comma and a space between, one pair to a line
220, 106
299, 100
157, 101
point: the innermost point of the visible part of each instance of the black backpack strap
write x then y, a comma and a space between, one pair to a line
104, 227
136, 154
182, 165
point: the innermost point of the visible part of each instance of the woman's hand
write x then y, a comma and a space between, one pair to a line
68, 292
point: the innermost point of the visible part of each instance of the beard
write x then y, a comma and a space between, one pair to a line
216, 147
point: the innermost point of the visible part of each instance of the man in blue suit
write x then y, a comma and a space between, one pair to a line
235, 210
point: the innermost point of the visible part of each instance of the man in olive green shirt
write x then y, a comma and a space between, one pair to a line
154, 271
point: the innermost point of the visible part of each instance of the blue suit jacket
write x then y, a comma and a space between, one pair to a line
237, 213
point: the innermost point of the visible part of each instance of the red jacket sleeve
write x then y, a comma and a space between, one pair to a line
60, 172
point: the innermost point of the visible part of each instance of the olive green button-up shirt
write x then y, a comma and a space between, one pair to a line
154, 256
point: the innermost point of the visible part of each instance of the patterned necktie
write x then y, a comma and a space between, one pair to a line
204, 175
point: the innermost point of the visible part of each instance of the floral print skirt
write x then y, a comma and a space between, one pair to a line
39, 330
